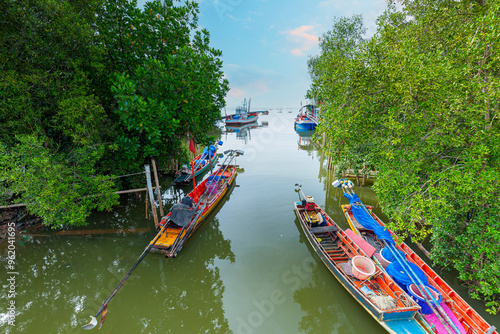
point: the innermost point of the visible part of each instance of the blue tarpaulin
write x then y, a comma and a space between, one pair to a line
400, 275
212, 149
366, 220
216, 178
389, 256
399, 272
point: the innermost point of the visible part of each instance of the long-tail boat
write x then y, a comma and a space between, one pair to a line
187, 216
460, 312
201, 163
374, 289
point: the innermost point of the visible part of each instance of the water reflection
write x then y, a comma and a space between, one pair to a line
326, 306
305, 141
64, 279
243, 132
192, 282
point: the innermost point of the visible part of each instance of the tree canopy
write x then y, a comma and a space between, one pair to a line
419, 102
92, 89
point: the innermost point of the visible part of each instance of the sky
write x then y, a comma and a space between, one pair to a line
265, 44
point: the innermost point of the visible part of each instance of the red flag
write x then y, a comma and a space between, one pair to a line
191, 146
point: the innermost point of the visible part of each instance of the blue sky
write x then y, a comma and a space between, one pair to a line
266, 44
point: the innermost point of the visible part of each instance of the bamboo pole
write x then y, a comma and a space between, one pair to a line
158, 191
151, 195
147, 211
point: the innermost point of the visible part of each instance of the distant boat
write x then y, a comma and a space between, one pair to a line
242, 115
374, 289
307, 118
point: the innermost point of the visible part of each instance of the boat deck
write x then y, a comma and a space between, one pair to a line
205, 196
388, 302
465, 314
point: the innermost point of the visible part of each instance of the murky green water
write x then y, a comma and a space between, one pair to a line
247, 270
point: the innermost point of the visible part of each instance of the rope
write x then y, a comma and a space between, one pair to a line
402, 298
115, 177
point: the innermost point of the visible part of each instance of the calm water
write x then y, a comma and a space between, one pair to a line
247, 270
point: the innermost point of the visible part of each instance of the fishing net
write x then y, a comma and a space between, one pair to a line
381, 299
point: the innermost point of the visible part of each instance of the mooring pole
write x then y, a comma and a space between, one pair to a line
151, 195
158, 191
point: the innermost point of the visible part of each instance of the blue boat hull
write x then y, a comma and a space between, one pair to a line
305, 126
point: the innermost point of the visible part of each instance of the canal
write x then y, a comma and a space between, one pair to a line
248, 269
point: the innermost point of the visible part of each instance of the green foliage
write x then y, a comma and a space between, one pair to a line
420, 101
99, 87
169, 82
61, 193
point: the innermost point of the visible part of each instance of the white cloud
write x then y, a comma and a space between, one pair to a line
302, 38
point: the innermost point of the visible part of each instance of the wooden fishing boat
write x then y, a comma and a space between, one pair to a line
201, 163
469, 320
307, 118
187, 216
242, 115
379, 295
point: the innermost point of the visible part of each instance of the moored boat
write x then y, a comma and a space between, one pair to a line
201, 163
465, 318
187, 216
242, 115
374, 289
307, 118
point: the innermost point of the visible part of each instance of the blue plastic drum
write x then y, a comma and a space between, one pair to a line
416, 295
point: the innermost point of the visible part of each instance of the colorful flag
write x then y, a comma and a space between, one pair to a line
191, 146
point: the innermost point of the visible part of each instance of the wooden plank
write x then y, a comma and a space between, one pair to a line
320, 229
103, 231
13, 206
365, 246
132, 190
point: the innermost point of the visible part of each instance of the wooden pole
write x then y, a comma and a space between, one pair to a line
422, 248
157, 183
192, 168
151, 195
147, 211
210, 160
12, 206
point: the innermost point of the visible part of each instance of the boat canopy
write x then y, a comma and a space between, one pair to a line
181, 214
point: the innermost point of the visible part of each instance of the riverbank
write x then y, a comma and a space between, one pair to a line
22, 220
